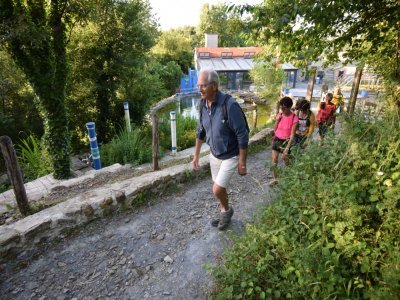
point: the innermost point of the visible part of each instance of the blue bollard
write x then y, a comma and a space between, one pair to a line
94, 148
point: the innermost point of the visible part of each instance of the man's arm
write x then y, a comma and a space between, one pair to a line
242, 168
195, 161
238, 123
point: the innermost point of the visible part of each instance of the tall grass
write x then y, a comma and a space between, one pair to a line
127, 147
135, 147
33, 158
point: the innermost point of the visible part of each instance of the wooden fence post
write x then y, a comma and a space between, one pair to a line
310, 86
354, 90
155, 141
255, 115
14, 174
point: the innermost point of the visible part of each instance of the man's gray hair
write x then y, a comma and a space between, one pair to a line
212, 75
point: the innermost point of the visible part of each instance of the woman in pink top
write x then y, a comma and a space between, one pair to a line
285, 129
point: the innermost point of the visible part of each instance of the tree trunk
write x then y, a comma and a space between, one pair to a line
354, 90
310, 86
14, 174
43, 60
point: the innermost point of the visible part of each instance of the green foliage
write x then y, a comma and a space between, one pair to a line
190, 32
16, 98
169, 74
228, 24
142, 91
34, 159
174, 45
128, 147
307, 31
106, 52
332, 231
4, 187
34, 34
267, 80
185, 132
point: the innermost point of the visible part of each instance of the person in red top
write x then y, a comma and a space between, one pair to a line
285, 129
326, 115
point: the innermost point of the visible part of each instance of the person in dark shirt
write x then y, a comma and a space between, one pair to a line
228, 140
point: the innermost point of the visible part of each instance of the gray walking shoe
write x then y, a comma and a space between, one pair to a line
215, 222
225, 219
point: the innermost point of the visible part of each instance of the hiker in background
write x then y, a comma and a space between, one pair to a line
306, 125
324, 91
285, 128
337, 99
297, 105
227, 137
325, 115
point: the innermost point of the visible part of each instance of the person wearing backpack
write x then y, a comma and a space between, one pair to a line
285, 128
337, 99
325, 115
306, 125
223, 124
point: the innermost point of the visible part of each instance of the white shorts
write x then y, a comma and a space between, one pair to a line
223, 169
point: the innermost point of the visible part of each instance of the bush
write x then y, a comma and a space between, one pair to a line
128, 147
185, 132
34, 159
333, 230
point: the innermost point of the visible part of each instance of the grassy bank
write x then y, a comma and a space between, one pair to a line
333, 229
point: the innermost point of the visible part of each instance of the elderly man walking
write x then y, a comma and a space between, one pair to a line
223, 124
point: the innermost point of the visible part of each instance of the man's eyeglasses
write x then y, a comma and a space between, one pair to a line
202, 86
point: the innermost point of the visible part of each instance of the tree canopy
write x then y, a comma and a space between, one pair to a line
228, 24
174, 45
77, 61
106, 52
34, 33
354, 30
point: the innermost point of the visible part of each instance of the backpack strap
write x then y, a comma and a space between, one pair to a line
308, 122
224, 108
224, 112
201, 106
293, 115
277, 123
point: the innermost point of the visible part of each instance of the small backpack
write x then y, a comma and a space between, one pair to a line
325, 114
224, 111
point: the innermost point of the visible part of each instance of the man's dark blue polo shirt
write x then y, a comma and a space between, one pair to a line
224, 139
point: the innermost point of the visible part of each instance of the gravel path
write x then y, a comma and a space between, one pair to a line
155, 252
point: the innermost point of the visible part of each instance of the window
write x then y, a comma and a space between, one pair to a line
249, 54
226, 54
204, 55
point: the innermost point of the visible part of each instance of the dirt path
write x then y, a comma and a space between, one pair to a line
156, 252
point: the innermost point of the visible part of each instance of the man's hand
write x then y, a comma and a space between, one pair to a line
195, 162
242, 170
